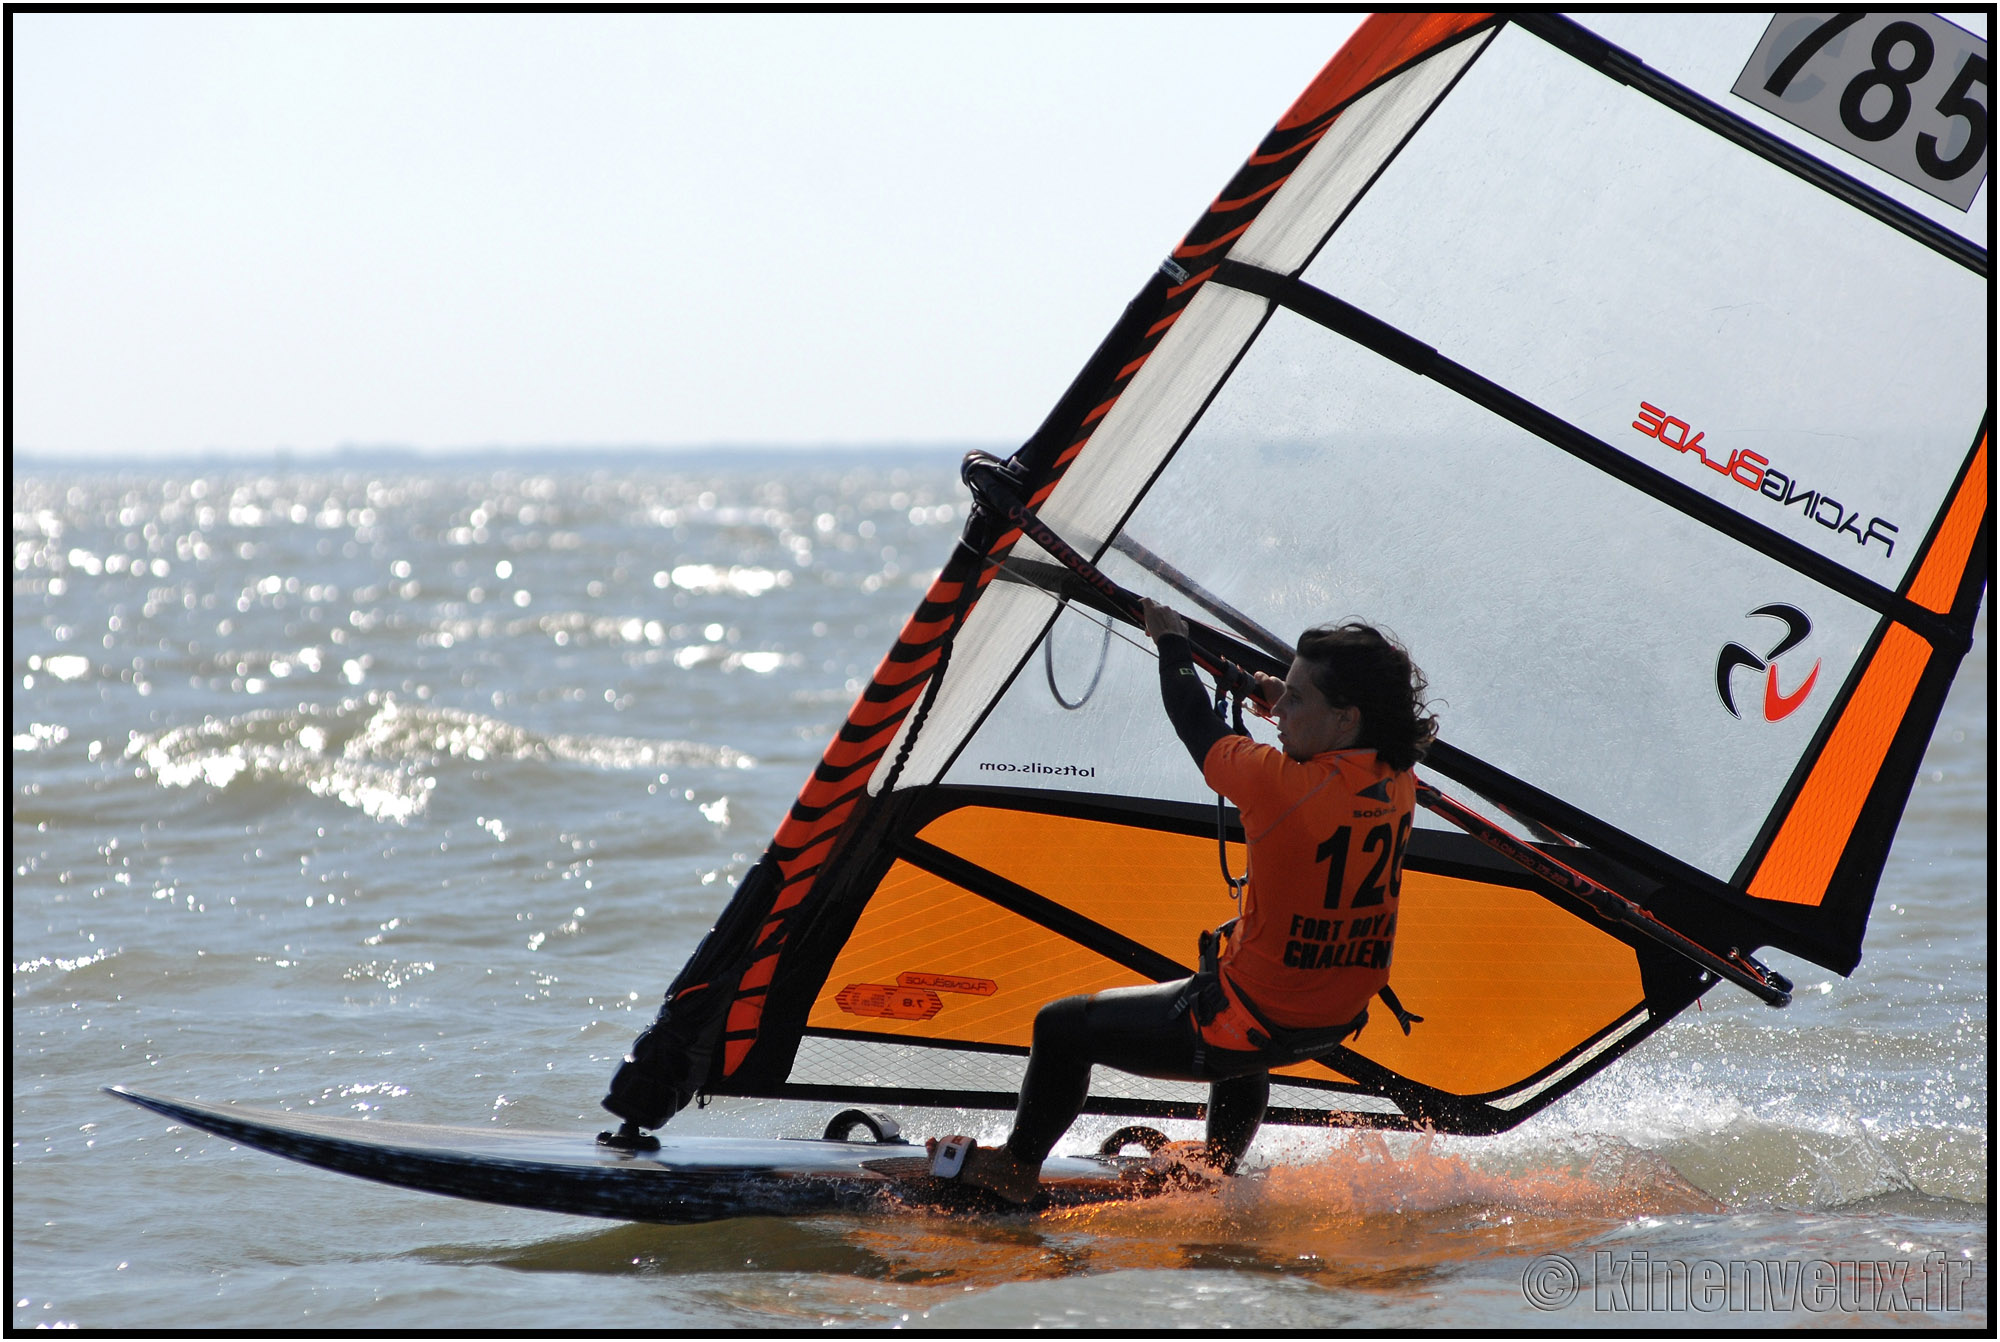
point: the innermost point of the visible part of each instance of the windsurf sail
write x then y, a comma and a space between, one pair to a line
1635, 372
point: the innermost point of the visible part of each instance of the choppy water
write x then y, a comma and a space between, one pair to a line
404, 789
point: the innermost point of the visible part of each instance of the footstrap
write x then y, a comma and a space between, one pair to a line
948, 1160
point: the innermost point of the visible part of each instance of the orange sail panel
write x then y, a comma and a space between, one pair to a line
1160, 889
1504, 980
1798, 866
917, 923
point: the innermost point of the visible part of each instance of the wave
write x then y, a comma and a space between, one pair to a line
1818, 1134
378, 754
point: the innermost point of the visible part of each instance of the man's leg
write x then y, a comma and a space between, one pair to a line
1235, 1112
1133, 1029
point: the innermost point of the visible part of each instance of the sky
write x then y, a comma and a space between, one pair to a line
249, 233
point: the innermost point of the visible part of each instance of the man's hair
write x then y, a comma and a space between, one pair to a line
1357, 666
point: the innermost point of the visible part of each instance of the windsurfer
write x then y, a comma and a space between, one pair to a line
1326, 817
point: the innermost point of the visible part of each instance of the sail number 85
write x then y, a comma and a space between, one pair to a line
1909, 93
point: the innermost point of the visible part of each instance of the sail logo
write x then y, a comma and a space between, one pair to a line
913, 996
1754, 471
1779, 703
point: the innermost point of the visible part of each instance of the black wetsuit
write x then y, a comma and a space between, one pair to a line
1148, 1031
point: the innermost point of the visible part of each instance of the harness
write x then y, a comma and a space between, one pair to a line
1205, 996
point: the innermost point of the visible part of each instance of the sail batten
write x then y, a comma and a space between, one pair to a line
1043, 911
1342, 317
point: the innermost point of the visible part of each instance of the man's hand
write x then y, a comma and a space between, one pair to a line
1269, 689
1161, 620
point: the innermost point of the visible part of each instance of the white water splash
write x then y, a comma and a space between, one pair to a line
62, 963
398, 731
379, 755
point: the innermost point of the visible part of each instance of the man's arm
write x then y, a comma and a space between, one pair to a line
1187, 704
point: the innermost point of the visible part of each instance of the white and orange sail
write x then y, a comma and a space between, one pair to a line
1636, 373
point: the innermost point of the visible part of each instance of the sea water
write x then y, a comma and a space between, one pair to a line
402, 787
